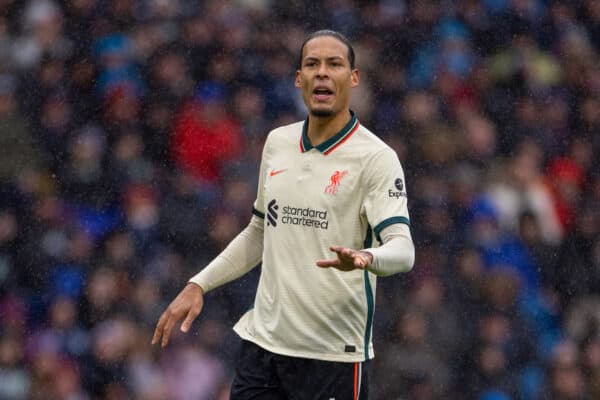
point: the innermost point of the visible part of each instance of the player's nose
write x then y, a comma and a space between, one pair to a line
322, 71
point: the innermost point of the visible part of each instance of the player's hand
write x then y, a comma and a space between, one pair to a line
188, 304
347, 259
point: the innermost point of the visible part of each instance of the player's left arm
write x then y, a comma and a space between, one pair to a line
397, 254
347, 259
386, 209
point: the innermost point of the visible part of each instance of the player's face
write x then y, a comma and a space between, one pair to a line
325, 76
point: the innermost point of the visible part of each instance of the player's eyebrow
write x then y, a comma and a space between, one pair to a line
331, 58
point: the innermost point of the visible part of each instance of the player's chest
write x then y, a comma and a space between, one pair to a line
313, 179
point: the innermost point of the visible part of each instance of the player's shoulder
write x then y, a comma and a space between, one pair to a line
286, 133
370, 142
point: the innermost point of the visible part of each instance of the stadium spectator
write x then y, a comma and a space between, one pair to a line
205, 137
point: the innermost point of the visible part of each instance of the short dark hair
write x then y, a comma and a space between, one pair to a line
334, 34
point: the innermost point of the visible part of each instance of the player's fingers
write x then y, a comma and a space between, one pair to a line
158, 329
342, 252
189, 318
328, 263
336, 249
346, 256
167, 331
348, 253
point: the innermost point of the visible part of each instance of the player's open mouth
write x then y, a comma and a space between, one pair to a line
322, 93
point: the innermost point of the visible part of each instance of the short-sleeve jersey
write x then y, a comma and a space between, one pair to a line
342, 192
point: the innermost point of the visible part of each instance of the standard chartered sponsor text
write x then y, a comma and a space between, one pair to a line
305, 217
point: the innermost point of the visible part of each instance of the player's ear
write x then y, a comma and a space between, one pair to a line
297, 82
355, 77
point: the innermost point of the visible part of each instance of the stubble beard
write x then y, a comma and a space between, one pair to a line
321, 113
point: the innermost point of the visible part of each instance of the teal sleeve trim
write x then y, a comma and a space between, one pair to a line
370, 312
368, 238
369, 295
258, 213
387, 222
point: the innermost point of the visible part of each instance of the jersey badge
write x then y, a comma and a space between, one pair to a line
336, 179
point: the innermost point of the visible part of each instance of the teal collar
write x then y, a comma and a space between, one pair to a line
330, 144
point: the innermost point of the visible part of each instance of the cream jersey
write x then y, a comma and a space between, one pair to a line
343, 192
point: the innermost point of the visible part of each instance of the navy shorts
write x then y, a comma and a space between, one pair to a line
262, 375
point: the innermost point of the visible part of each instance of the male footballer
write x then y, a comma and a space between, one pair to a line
330, 216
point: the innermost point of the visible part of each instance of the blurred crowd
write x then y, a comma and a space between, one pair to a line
130, 137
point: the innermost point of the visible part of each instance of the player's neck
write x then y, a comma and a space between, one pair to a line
322, 128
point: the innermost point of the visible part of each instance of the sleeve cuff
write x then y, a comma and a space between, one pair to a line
258, 213
387, 222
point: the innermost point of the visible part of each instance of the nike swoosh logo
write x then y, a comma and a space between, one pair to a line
276, 171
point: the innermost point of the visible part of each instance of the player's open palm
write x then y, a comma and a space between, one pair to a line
347, 259
188, 304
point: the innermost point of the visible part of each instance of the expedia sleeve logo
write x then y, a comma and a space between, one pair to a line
296, 216
399, 184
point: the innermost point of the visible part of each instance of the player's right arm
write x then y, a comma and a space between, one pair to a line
240, 256
188, 304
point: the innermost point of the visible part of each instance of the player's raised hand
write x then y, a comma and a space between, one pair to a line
188, 304
347, 259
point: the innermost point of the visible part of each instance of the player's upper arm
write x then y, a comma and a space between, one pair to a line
258, 206
386, 200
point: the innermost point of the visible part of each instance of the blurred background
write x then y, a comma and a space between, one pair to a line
130, 137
